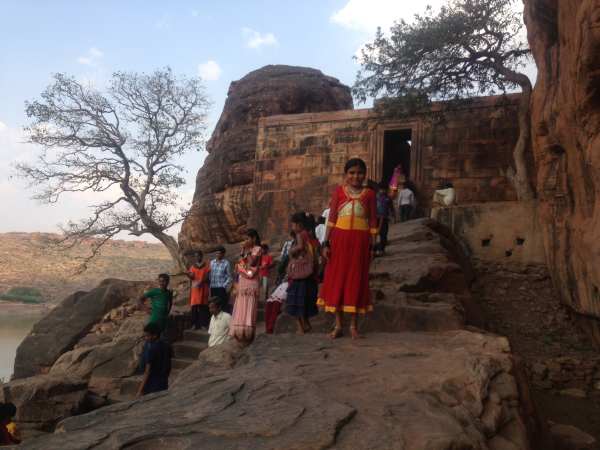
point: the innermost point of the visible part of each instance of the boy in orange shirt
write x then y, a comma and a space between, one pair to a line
199, 273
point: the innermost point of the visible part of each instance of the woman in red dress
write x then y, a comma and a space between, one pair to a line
349, 243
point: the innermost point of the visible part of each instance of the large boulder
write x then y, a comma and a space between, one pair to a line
71, 320
412, 391
224, 189
44, 400
565, 39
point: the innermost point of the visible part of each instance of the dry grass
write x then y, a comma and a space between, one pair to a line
30, 260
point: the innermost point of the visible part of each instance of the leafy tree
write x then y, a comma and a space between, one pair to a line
469, 47
129, 138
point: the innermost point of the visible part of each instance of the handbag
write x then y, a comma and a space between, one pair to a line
300, 267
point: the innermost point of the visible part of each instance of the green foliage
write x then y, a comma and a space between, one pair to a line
23, 294
469, 47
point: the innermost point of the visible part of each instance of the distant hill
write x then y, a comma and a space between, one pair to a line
29, 260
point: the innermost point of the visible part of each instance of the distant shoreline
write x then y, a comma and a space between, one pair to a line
24, 309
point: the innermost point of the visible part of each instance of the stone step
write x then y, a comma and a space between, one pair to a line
181, 363
195, 335
188, 349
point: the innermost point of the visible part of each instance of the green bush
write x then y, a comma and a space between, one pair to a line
23, 294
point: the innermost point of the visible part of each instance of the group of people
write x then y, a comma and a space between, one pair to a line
325, 264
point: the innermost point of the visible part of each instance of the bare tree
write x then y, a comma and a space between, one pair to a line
126, 140
469, 47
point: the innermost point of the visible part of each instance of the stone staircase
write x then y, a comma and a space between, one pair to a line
185, 352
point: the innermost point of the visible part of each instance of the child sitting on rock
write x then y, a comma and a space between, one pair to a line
7, 412
219, 323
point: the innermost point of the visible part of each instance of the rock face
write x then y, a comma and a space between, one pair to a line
224, 190
309, 392
565, 40
44, 400
66, 324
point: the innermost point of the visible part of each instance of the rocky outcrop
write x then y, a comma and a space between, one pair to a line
224, 189
44, 400
447, 390
565, 40
60, 330
436, 386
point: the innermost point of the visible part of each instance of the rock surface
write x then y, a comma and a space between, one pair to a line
224, 192
310, 392
440, 387
71, 320
44, 400
565, 40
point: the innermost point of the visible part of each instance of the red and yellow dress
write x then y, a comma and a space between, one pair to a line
346, 283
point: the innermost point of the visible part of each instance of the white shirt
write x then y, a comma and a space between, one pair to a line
406, 197
320, 232
326, 214
219, 329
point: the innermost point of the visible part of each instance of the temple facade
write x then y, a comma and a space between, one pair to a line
300, 157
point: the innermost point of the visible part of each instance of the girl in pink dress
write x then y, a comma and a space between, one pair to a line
243, 320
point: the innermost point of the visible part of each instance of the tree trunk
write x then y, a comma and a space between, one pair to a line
173, 248
521, 180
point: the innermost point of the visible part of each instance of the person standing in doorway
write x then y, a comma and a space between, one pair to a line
406, 202
199, 274
221, 279
348, 247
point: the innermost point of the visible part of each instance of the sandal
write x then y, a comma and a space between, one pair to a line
336, 333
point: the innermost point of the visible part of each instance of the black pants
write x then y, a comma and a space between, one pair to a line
383, 233
405, 212
224, 296
200, 316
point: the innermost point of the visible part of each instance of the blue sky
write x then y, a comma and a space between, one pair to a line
220, 41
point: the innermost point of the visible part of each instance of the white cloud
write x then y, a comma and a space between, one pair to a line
91, 58
255, 39
367, 15
209, 71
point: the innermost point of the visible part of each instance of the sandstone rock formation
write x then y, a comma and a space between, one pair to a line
305, 393
71, 320
44, 400
437, 386
224, 192
565, 40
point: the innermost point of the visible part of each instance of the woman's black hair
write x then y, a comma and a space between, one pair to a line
252, 233
299, 218
355, 162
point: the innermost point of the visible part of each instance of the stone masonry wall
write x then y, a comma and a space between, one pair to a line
300, 158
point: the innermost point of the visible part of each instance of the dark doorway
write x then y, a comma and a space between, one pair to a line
396, 151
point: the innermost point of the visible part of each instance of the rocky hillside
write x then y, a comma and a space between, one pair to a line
422, 379
30, 260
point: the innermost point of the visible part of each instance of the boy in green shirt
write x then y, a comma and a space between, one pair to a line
161, 301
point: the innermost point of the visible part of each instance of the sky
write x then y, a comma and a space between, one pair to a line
217, 41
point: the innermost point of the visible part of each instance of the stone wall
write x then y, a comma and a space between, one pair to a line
503, 232
565, 41
300, 158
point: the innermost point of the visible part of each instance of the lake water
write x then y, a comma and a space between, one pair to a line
14, 327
